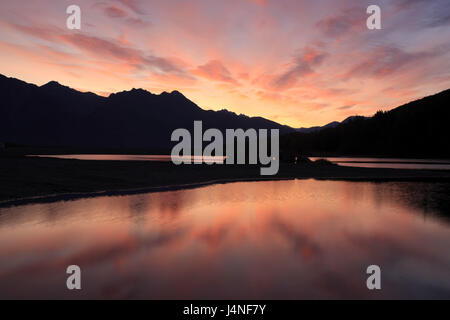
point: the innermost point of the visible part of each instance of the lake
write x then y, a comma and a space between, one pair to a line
391, 163
290, 239
132, 157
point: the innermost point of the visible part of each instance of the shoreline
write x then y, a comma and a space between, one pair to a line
125, 192
46, 180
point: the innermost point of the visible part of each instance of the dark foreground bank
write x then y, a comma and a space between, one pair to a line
32, 179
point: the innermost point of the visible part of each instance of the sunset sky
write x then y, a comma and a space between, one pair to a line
300, 63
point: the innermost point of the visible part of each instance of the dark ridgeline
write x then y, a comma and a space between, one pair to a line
314, 129
57, 116
333, 124
416, 129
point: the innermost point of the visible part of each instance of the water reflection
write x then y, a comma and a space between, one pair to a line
391, 163
286, 239
135, 157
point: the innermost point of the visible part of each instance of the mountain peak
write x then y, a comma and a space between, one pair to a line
174, 93
139, 90
134, 92
55, 87
52, 84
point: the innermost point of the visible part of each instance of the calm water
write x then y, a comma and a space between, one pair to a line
262, 240
350, 162
131, 157
392, 163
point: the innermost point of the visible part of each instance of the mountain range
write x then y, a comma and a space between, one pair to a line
54, 115
417, 129
329, 125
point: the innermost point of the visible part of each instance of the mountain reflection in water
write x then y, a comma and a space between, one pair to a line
248, 240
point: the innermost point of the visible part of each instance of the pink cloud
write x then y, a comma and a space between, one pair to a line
214, 70
260, 2
339, 25
134, 5
303, 65
115, 12
292, 59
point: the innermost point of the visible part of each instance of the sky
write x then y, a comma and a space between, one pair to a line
300, 63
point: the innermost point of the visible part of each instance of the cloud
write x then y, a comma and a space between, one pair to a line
345, 107
387, 60
283, 55
40, 32
105, 49
303, 65
137, 22
214, 70
407, 4
133, 5
260, 2
336, 26
442, 19
115, 12
109, 49
437, 12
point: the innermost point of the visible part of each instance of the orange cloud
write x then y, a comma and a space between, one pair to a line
301, 62
214, 70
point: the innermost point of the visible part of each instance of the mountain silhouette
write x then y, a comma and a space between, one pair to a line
318, 128
54, 115
416, 129
329, 125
